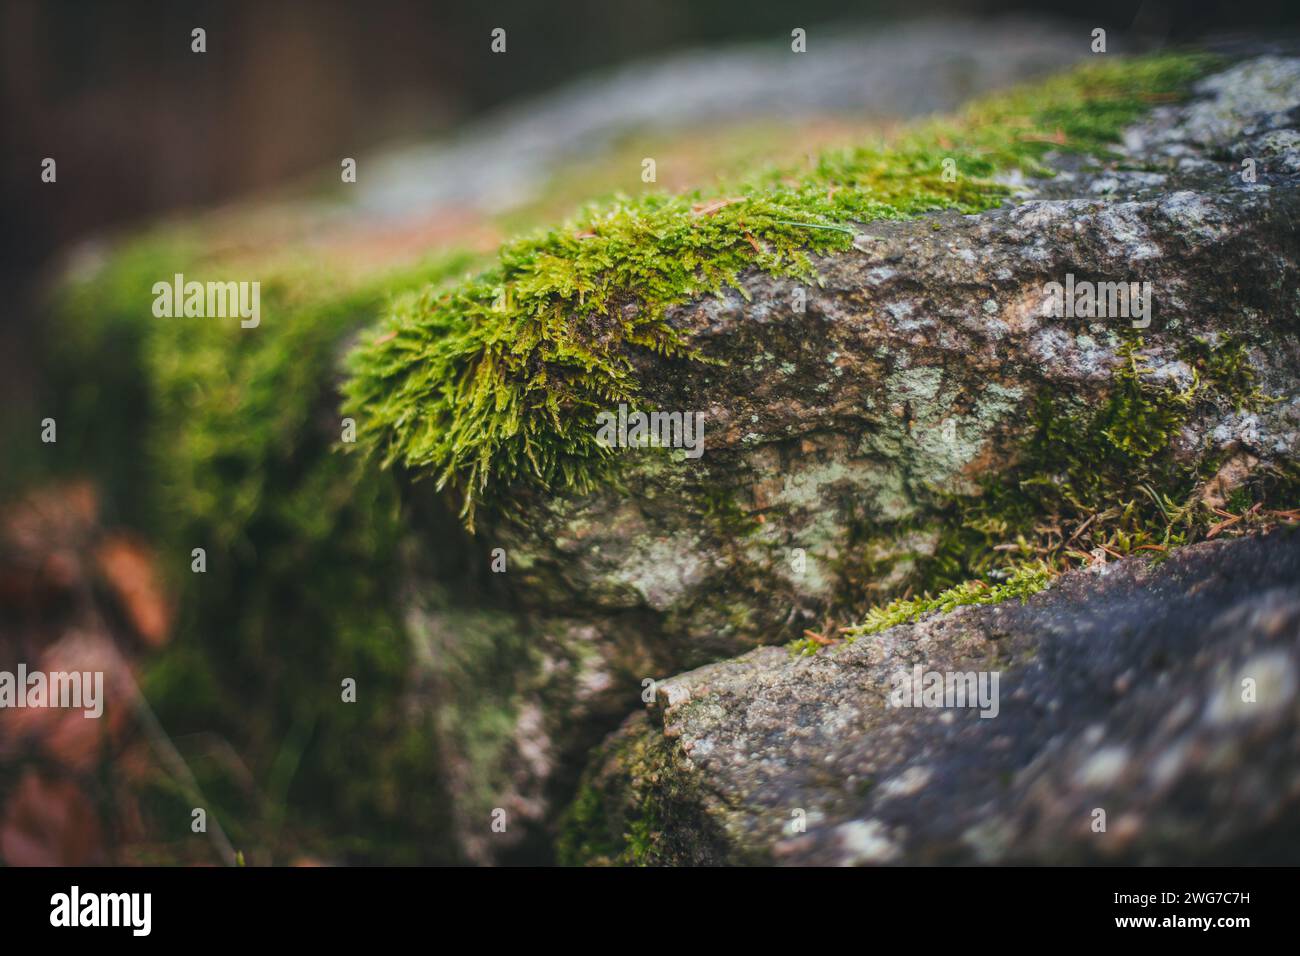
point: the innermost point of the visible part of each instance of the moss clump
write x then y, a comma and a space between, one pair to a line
1106, 478
1022, 583
585, 836
618, 816
100, 389
1225, 366
499, 378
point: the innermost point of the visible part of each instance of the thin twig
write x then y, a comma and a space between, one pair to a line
162, 744
813, 225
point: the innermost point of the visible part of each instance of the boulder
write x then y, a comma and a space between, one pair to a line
1140, 714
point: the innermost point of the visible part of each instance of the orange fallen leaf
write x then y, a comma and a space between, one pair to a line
821, 639
1057, 138
713, 205
129, 568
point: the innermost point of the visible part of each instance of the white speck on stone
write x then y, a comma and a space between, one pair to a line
906, 783
1274, 687
1103, 768
866, 841
1241, 428
1168, 765
1122, 224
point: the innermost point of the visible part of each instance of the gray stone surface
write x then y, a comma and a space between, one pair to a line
1123, 689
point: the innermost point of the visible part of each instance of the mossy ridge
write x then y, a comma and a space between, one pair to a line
1094, 484
94, 348
497, 380
234, 445
1023, 582
302, 552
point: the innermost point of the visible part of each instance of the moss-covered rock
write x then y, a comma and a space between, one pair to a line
497, 380
918, 422
922, 422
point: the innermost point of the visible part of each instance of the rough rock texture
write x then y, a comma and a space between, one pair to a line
909, 374
1122, 688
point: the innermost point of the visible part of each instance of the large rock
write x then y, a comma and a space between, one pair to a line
910, 376
1142, 715
914, 370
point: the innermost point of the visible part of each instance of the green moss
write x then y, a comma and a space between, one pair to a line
499, 379
630, 790
585, 831
804, 647
100, 389
1022, 583
1225, 366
